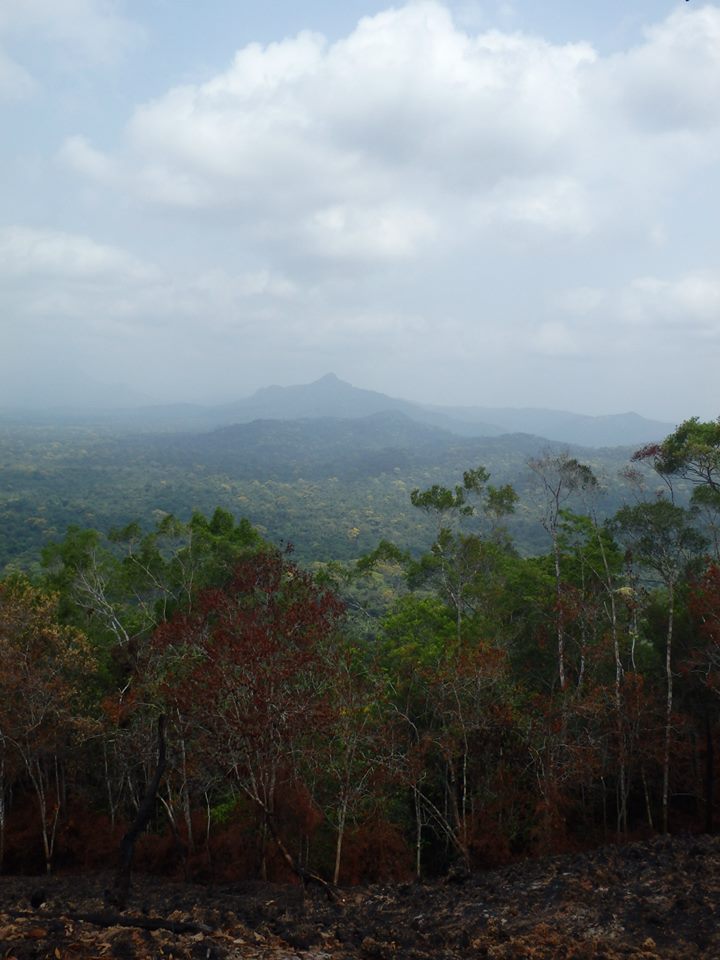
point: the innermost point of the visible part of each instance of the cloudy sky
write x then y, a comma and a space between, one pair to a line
460, 202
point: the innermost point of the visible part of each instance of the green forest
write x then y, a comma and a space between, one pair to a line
458, 666
334, 488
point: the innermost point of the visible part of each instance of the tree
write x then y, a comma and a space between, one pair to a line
457, 561
126, 584
702, 669
247, 667
44, 668
560, 477
352, 752
692, 452
705, 608
663, 541
446, 704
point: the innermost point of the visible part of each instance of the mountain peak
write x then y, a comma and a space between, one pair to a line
329, 396
330, 383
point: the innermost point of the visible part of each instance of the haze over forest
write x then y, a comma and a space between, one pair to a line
464, 203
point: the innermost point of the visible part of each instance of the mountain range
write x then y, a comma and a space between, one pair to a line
331, 397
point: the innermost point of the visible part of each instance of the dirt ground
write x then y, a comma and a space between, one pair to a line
659, 899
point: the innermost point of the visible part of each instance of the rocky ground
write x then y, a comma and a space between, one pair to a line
659, 899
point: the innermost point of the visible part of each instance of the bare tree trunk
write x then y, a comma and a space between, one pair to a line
187, 812
668, 708
208, 826
49, 826
560, 618
305, 875
181, 847
460, 831
418, 834
2, 810
118, 896
108, 785
342, 815
709, 776
622, 824
648, 805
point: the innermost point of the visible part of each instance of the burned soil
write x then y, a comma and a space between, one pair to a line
657, 899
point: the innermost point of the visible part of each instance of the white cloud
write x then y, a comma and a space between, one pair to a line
28, 251
410, 197
647, 315
84, 159
555, 339
94, 29
671, 82
388, 232
411, 131
355, 149
552, 204
690, 304
15, 82
580, 301
51, 277
78, 32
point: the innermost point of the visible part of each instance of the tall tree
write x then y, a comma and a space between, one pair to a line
457, 559
663, 541
560, 477
248, 666
692, 452
44, 668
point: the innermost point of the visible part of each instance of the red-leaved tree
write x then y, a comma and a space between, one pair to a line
248, 669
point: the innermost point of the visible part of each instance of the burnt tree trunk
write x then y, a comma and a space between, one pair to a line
117, 896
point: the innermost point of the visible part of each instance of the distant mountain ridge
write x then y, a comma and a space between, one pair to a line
331, 397
335, 398
313, 448
608, 430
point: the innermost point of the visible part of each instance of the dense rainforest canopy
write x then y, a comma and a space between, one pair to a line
457, 704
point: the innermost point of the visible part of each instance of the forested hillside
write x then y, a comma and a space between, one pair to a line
406, 712
332, 487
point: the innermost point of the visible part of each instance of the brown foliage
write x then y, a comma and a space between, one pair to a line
376, 850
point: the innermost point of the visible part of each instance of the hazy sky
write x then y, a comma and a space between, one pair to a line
510, 203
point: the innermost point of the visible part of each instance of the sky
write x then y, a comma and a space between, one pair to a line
491, 203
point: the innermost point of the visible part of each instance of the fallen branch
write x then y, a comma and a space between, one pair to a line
305, 875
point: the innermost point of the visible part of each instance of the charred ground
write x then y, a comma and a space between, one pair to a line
655, 899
